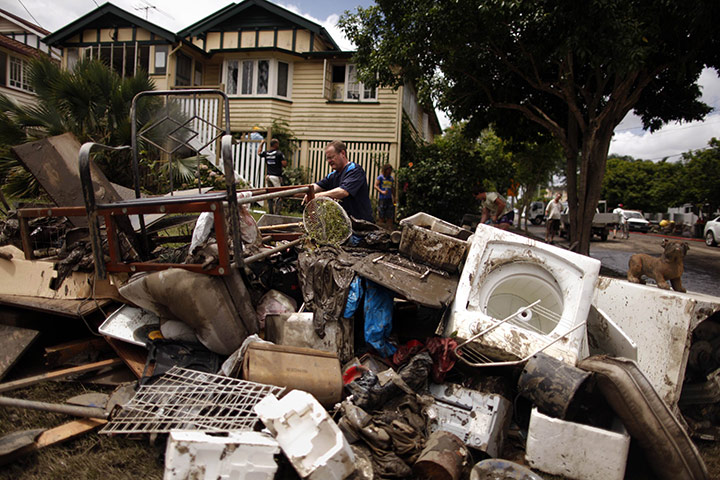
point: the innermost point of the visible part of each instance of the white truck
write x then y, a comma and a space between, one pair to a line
603, 221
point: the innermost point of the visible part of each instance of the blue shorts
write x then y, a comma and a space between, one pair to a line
507, 218
386, 208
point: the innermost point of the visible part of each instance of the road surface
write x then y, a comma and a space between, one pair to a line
702, 263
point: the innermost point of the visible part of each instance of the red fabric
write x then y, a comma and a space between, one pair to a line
442, 351
405, 352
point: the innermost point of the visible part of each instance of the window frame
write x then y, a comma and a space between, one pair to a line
22, 83
353, 90
240, 90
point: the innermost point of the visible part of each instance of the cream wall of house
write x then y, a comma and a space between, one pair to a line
7, 26
18, 96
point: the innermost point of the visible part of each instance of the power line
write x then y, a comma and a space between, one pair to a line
673, 130
28, 12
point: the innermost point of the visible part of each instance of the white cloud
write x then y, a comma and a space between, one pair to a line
675, 138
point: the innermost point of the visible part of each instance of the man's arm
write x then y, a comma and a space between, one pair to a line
336, 193
485, 215
260, 147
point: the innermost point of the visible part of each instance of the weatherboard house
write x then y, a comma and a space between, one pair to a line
273, 64
20, 40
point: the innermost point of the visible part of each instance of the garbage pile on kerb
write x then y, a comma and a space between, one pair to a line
430, 352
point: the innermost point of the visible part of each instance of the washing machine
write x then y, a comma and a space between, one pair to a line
518, 296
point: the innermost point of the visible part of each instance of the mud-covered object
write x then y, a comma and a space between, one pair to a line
395, 436
648, 419
165, 354
369, 393
218, 309
325, 275
550, 384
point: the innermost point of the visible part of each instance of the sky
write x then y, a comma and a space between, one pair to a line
629, 139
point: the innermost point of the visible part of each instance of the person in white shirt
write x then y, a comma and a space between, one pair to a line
553, 211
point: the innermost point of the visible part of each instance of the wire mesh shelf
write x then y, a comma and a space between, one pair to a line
185, 399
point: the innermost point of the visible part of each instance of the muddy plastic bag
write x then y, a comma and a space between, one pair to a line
378, 318
274, 303
355, 296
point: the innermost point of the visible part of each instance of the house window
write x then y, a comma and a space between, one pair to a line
347, 88
257, 78
198, 73
183, 70
18, 77
160, 59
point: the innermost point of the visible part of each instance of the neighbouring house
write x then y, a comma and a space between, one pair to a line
274, 65
20, 40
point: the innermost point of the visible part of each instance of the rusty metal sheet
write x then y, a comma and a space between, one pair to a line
62, 181
13, 343
416, 282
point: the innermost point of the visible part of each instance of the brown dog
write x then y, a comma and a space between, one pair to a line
669, 266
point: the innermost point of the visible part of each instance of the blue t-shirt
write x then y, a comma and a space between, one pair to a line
352, 180
273, 159
386, 183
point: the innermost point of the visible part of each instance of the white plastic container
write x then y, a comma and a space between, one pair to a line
310, 439
479, 419
576, 451
504, 272
238, 455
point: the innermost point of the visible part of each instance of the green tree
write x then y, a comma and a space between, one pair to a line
572, 69
439, 178
534, 164
92, 102
702, 177
643, 184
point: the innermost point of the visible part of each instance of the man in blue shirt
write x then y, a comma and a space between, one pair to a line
346, 183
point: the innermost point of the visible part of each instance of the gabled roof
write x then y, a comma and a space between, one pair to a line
18, 47
36, 29
107, 16
255, 14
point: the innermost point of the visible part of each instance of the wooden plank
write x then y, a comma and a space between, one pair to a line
62, 182
59, 374
67, 431
34, 278
60, 354
14, 341
55, 306
134, 356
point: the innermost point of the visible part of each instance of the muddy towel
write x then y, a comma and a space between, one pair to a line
325, 276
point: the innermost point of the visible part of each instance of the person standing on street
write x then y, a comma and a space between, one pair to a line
274, 163
553, 213
347, 183
385, 186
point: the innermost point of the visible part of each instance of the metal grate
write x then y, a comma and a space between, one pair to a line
185, 399
472, 354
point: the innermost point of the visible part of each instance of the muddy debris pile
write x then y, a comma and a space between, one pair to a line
251, 350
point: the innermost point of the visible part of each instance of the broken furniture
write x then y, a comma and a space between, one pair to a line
433, 241
504, 275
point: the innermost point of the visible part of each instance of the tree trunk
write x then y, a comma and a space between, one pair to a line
592, 169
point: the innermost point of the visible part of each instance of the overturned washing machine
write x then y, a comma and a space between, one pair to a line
518, 296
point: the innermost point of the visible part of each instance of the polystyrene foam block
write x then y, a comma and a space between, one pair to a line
576, 451
310, 439
235, 456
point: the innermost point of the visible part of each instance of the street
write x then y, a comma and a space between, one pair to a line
702, 263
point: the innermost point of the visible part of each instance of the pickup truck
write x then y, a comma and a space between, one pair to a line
602, 223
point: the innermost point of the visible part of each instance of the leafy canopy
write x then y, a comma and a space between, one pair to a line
572, 69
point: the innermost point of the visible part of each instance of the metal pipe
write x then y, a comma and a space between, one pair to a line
75, 410
267, 196
267, 253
